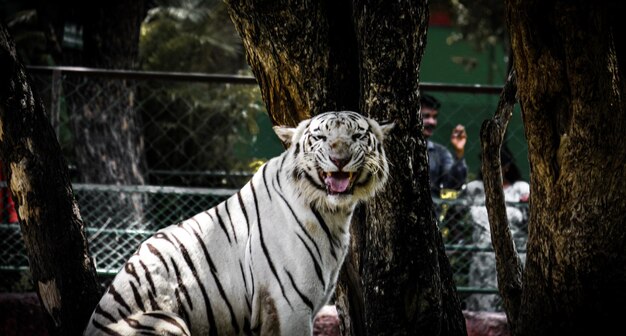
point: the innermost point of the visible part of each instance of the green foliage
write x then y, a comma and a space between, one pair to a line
30, 40
190, 36
200, 127
480, 22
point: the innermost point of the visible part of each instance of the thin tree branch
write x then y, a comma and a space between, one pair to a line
508, 264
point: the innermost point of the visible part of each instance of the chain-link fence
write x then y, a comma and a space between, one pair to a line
201, 138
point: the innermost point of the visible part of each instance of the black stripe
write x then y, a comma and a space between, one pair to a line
181, 284
326, 230
318, 269
232, 225
207, 256
243, 209
317, 249
138, 299
213, 269
100, 311
147, 275
130, 269
182, 311
269, 194
221, 223
118, 298
136, 325
280, 171
122, 313
156, 252
205, 296
246, 327
153, 304
245, 284
303, 297
105, 330
197, 223
296, 150
264, 247
166, 318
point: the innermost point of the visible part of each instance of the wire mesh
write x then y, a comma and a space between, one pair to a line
202, 139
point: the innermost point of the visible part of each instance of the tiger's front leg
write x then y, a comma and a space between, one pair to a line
268, 320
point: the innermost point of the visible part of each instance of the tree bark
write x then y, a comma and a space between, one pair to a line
106, 123
508, 263
311, 57
62, 271
407, 278
303, 54
569, 57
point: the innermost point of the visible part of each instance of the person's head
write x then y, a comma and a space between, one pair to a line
429, 111
510, 171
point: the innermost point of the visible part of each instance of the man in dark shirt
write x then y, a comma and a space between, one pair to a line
447, 171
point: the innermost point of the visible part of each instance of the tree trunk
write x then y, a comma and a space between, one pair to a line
106, 123
508, 264
407, 278
319, 56
62, 271
568, 57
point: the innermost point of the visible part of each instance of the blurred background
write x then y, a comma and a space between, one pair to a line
159, 117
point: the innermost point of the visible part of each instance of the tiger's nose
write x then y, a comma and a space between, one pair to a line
340, 162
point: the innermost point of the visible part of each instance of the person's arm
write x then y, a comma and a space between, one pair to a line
456, 170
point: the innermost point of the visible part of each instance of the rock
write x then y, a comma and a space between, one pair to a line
486, 324
326, 322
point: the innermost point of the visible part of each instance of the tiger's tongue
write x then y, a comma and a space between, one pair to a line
337, 182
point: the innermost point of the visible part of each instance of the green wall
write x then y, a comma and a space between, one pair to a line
439, 66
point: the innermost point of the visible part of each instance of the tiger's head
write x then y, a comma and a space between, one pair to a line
336, 158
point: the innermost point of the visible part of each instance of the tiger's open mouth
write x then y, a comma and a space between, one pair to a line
338, 183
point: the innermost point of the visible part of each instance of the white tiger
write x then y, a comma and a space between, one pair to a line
264, 261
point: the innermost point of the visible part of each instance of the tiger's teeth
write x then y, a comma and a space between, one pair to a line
350, 175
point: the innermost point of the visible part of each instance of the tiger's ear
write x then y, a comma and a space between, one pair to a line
285, 134
386, 128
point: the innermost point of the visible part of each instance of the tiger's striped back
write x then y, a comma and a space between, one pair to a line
265, 260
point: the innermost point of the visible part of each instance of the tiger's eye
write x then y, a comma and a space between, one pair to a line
358, 136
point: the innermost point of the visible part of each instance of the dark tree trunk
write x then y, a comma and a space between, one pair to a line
62, 271
106, 123
407, 279
569, 56
318, 56
302, 54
